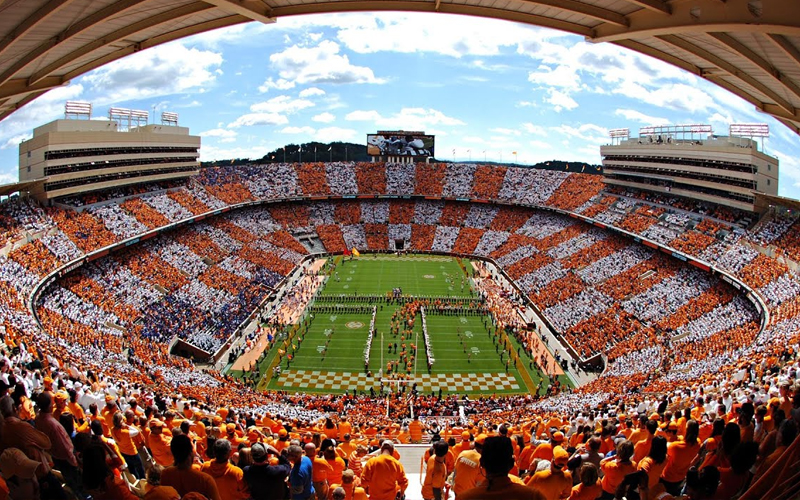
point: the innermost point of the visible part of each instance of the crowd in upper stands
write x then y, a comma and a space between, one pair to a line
665, 327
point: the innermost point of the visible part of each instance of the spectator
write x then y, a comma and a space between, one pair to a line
182, 476
99, 481
228, 477
497, 459
300, 479
435, 472
383, 476
267, 481
589, 488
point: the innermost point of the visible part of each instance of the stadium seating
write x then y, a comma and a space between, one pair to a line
667, 329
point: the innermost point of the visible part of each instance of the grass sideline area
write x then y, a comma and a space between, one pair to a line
468, 351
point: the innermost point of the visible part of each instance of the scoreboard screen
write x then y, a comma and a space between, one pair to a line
400, 143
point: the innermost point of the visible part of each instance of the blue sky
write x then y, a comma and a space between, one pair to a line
485, 88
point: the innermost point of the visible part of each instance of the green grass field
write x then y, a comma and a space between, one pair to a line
329, 351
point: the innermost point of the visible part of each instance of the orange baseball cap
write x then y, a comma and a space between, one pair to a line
560, 455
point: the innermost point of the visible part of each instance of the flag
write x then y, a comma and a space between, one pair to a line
346, 251
513, 152
355, 252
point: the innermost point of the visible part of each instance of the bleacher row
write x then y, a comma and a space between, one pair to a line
606, 294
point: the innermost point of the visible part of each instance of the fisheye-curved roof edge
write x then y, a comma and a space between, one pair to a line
749, 47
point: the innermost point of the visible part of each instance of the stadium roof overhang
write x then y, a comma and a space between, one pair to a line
765, 201
18, 187
749, 47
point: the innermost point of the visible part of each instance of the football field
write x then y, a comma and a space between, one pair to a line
328, 350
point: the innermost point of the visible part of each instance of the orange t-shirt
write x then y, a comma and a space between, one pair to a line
552, 485
415, 430
338, 466
524, 459
188, 480
652, 469
468, 471
229, 479
382, 476
159, 445
615, 473
122, 436
344, 428
544, 452
642, 448
679, 458
583, 492
435, 477
321, 470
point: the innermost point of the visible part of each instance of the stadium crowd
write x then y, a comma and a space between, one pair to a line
688, 342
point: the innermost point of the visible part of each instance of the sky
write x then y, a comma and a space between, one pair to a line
486, 88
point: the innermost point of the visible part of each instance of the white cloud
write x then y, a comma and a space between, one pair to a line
638, 116
363, 116
9, 177
534, 129
271, 83
14, 141
407, 118
320, 64
224, 135
158, 71
311, 91
451, 35
324, 118
675, 96
588, 134
47, 107
281, 104
251, 119
560, 100
562, 76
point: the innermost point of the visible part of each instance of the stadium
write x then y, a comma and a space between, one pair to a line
153, 302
